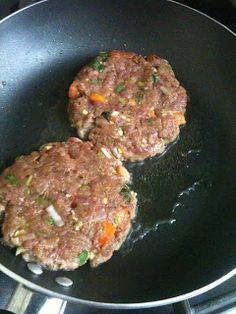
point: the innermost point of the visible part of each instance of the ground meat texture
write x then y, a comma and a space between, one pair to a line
66, 204
131, 104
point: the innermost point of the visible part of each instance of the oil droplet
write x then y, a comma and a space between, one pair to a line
139, 232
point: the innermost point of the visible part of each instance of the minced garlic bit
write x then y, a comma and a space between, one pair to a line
120, 150
46, 146
91, 255
114, 113
105, 201
132, 102
85, 112
2, 208
73, 215
78, 225
19, 233
55, 216
120, 131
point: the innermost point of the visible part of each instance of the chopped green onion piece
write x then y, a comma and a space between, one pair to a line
126, 193
116, 221
19, 157
120, 88
103, 56
97, 65
40, 233
84, 186
100, 155
29, 180
141, 84
139, 97
50, 221
94, 81
154, 78
106, 115
83, 257
27, 191
20, 250
45, 146
40, 200
12, 180
122, 100
150, 121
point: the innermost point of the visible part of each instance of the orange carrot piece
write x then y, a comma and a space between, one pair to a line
121, 171
179, 118
108, 233
73, 91
152, 114
97, 98
120, 54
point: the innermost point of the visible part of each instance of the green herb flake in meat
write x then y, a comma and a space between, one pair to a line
19, 157
94, 81
106, 115
97, 65
41, 200
126, 193
50, 221
83, 257
100, 155
154, 78
12, 179
120, 88
139, 97
103, 56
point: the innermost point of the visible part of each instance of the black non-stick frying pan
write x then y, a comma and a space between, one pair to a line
183, 240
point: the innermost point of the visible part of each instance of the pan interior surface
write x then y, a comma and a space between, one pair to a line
184, 235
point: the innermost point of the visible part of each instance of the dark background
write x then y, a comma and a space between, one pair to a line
223, 10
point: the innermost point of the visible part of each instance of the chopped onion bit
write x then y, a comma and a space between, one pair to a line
105, 201
55, 216
115, 113
28, 181
120, 131
20, 250
85, 112
106, 152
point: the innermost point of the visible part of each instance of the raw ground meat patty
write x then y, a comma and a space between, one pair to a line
131, 104
66, 204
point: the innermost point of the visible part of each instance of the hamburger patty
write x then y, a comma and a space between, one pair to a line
66, 204
131, 104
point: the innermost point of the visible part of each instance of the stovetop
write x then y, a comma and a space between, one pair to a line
221, 299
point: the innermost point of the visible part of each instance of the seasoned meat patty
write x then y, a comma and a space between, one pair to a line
66, 204
131, 104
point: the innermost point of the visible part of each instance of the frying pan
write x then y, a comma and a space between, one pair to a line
183, 240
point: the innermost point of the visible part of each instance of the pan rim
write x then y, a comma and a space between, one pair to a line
134, 305
109, 305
